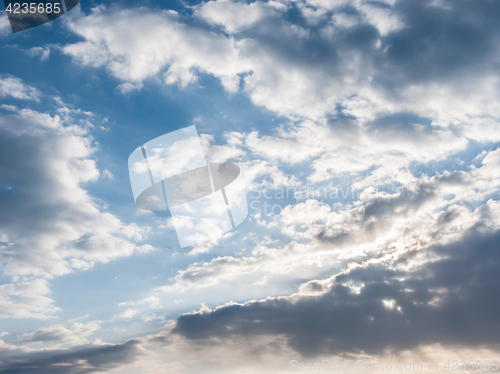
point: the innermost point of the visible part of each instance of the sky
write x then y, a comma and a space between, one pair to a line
367, 137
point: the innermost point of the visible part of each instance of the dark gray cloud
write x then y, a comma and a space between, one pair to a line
82, 360
449, 301
442, 42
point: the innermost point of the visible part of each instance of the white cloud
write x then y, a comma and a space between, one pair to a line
44, 52
219, 153
376, 225
278, 60
127, 87
358, 112
4, 24
237, 16
381, 17
57, 335
26, 300
128, 314
50, 161
367, 105
152, 301
14, 87
162, 41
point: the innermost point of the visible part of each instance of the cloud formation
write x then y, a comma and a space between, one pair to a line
4, 24
376, 307
45, 163
57, 335
26, 300
14, 87
369, 58
396, 100
87, 359
46, 160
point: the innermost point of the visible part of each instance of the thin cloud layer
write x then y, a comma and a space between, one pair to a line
4, 24
84, 360
364, 311
14, 87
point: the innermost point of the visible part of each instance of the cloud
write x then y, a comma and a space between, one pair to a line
26, 300
370, 93
356, 80
385, 148
422, 212
134, 56
382, 61
45, 162
57, 335
236, 17
89, 359
128, 314
394, 99
44, 53
158, 353
127, 87
412, 298
4, 24
391, 308
14, 87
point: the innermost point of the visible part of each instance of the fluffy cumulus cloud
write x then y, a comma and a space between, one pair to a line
14, 87
86, 359
379, 226
26, 300
46, 160
236, 17
389, 144
369, 58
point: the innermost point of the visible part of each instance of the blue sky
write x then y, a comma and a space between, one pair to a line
390, 107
